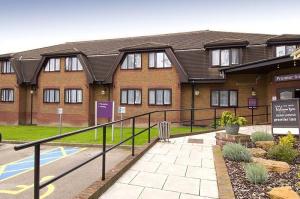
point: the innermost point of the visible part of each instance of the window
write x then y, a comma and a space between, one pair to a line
159, 60
52, 65
285, 50
224, 98
225, 57
73, 64
6, 67
7, 95
159, 97
51, 96
131, 96
73, 96
132, 61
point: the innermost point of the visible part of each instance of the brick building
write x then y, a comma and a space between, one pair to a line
203, 69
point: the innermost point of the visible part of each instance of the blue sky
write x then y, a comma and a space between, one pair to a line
28, 24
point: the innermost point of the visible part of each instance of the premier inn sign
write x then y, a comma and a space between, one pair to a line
289, 77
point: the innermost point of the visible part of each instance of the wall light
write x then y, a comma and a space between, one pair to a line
197, 92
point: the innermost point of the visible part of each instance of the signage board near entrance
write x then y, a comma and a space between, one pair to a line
104, 109
289, 77
285, 116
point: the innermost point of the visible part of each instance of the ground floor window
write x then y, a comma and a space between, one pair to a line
73, 96
224, 98
7, 95
288, 93
131, 96
51, 96
160, 96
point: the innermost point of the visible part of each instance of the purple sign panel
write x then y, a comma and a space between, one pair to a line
290, 77
104, 110
252, 102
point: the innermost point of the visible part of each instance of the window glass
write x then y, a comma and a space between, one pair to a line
280, 51
130, 61
6, 67
215, 98
51, 96
151, 60
124, 64
290, 49
123, 97
233, 98
73, 96
159, 60
167, 62
7, 95
216, 57
234, 56
159, 97
138, 97
224, 57
151, 97
53, 65
286, 95
223, 98
167, 97
137, 61
130, 96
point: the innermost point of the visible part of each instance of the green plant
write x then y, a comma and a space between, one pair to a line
217, 125
236, 152
282, 153
228, 118
288, 140
261, 136
256, 173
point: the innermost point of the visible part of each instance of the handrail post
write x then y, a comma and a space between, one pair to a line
132, 142
267, 113
215, 118
252, 115
37, 171
165, 115
104, 152
235, 111
191, 123
149, 124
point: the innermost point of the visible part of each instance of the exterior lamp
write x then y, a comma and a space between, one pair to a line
31, 92
102, 92
253, 93
197, 92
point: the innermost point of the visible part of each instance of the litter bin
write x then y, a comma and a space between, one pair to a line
164, 130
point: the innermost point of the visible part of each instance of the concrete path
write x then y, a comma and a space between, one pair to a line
176, 170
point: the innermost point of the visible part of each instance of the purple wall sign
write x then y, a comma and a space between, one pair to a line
104, 110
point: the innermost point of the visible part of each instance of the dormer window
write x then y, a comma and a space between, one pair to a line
53, 65
73, 64
225, 57
6, 67
159, 60
132, 61
285, 50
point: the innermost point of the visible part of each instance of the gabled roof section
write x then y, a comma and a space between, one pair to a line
146, 47
227, 42
63, 52
284, 39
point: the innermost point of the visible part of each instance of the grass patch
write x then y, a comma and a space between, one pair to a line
31, 133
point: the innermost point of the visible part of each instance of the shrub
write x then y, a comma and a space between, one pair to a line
282, 153
288, 140
228, 118
218, 123
261, 136
256, 173
236, 152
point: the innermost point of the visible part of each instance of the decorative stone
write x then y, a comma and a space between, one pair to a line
283, 193
223, 138
265, 145
272, 165
258, 152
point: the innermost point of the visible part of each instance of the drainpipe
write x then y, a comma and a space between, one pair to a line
193, 101
31, 104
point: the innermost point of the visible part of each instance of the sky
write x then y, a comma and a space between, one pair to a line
29, 24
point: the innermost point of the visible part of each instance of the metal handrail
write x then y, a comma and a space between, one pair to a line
36, 144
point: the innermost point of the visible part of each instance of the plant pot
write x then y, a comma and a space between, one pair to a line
232, 129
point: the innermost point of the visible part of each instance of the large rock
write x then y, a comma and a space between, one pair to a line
272, 165
283, 193
257, 152
265, 145
223, 138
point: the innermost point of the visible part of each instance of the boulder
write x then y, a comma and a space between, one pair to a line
265, 145
272, 165
257, 152
283, 193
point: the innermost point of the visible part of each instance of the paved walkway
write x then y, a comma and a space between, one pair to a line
175, 170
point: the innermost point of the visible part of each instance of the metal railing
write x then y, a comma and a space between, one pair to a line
191, 122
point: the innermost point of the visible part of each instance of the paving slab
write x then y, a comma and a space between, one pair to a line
150, 193
151, 180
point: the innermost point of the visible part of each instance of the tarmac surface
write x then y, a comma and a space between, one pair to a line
16, 170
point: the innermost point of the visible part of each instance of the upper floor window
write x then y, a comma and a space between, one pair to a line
224, 98
132, 61
160, 96
225, 57
285, 50
159, 60
7, 95
131, 96
51, 96
73, 96
73, 64
6, 67
52, 65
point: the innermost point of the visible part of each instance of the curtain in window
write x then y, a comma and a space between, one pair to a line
159, 60
11, 95
124, 64
290, 49
167, 97
151, 97
130, 62
138, 97
167, 62
124, 97
130, 96
225, 57
234, 56
280, 51
216, 57
233, 98
137, 61
79, 66
223, 98
151, 60
215, 98
159, 97
57, 64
